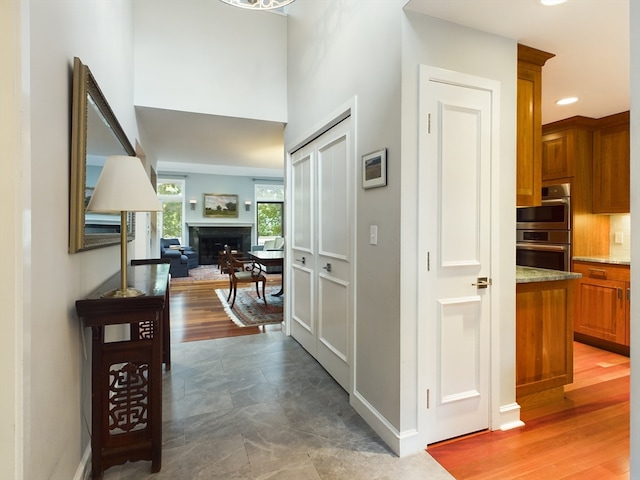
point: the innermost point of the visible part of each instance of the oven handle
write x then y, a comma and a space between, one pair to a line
542, 246
555, 201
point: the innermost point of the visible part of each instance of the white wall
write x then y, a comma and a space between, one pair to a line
207, 57
338, 51
55, 379
14, 184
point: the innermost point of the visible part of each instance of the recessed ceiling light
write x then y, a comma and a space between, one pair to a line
567, 101
550, 3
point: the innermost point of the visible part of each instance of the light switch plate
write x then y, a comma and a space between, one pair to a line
618, 237
373, 235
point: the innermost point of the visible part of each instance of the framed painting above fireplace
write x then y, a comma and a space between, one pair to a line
218, 205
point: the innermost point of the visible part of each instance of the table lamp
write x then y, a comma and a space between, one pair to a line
123, 186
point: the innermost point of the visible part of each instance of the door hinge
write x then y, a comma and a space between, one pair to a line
428, 261
428, 398
429, 123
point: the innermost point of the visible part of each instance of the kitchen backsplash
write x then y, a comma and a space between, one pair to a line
620, 232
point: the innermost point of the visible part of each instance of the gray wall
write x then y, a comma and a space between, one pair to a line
338, 53
196, 185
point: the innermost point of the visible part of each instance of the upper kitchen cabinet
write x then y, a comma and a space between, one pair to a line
529, 125
567, 149
611, 158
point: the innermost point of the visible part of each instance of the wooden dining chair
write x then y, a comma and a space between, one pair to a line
242, 272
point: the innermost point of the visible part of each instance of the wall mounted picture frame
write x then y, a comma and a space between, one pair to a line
217, 205
374, 169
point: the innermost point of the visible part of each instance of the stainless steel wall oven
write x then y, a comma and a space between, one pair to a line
544, 233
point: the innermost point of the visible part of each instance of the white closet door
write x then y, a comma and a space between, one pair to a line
322, 292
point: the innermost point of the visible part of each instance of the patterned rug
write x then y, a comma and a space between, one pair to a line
209, 273
249, 310
203, 273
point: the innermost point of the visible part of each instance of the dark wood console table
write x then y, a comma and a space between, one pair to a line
126, 376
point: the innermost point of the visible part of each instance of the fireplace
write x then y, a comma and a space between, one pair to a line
209, 241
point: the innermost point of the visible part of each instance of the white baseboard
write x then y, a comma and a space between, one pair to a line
402, 444
83, 472
510, 417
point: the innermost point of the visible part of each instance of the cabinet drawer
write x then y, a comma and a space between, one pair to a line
604, 271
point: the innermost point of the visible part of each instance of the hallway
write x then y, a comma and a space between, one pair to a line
259, 407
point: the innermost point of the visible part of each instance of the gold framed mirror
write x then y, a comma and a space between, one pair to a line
95, 134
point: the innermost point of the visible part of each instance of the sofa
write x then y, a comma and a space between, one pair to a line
274, 244
181, 258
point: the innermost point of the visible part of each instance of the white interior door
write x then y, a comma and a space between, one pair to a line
302, 282
322, 267
458, 115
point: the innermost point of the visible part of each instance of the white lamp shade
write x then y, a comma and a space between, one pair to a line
123, 186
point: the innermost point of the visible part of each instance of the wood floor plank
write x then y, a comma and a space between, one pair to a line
197, 313
584, 436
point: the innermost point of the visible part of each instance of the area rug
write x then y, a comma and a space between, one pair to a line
203, 273
249, 310
209, 273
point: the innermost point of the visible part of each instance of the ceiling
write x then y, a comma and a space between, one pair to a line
590, 40
198, 143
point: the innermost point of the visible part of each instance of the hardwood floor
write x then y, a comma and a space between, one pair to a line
586, 436
197, 314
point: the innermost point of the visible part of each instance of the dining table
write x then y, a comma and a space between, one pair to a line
270, 258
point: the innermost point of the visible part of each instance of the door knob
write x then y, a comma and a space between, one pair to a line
327, 267
483, 282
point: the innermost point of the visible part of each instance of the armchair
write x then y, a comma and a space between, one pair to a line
182, 258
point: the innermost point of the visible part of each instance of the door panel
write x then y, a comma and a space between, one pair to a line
455, 217
459, 185
302, 285
302, 179
333, 200
322, 303
334, 316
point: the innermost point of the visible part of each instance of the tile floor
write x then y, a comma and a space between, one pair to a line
260, 407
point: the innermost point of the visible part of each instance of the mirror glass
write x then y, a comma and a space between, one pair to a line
95, 135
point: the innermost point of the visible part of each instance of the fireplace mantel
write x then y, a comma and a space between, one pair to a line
210, 238
219, 224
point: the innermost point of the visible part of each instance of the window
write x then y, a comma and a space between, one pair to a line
171, 194
269, 212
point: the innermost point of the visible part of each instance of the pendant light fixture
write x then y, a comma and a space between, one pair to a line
258, 4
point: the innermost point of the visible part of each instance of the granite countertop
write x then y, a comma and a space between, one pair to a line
531, 274
605, 259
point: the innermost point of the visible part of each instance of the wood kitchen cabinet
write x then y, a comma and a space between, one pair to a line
567, 151
603, 306
544, 340
558, 157
611, 159
529, 125
567, 157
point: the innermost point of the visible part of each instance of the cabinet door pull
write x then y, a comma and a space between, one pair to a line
619, 293
596, 272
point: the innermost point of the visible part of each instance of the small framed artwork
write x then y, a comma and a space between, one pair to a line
220, 205
374, 169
